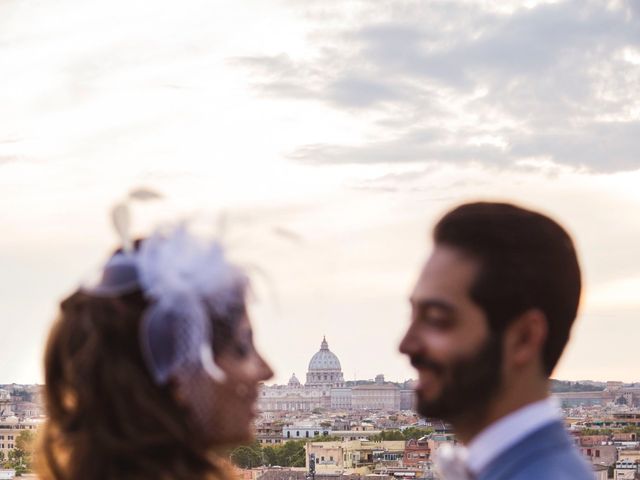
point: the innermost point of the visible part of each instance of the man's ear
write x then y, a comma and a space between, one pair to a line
525, 337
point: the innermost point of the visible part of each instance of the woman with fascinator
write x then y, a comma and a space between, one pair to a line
151, 371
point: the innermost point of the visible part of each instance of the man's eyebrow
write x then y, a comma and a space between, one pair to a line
431, 303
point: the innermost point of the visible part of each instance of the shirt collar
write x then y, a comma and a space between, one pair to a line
509, 430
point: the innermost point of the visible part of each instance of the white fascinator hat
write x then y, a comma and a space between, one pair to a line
185, 277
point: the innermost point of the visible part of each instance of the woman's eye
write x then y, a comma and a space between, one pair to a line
242, 349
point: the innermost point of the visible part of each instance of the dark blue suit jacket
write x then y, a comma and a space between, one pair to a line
546, 454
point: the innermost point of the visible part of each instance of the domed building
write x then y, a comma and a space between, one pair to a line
323, 376
292, 397
325, 388
294, 382
325, 373
324, 369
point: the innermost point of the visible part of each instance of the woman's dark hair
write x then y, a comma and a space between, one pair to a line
527, 261
107, 419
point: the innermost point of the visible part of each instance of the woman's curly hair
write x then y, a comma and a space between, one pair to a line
107, 419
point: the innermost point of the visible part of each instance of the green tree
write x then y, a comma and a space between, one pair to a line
246, 457
21, 456
631, 429
24, 441
292, 454
270, 455
596, 431
388, 435
14, 458
20, 470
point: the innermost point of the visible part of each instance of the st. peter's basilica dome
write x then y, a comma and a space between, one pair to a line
325, 359
324, 368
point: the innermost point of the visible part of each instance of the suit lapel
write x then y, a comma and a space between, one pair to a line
542, 442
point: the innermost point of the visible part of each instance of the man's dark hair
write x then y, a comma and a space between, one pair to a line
526, 260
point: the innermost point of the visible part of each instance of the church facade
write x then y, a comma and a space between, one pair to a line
325, 388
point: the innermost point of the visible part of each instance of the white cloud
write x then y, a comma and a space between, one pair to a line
558, 76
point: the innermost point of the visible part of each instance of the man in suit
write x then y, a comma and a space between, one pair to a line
491, 314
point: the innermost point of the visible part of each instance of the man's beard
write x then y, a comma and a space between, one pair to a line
468, 383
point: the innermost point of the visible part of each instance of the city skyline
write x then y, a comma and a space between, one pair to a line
330, 136
282, 378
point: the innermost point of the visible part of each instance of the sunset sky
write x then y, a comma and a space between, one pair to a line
330, 135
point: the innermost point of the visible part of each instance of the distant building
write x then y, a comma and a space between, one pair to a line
269, 433
359, 456
28, 409
7, 473
615, 393
625, 470
304, 432
325, 388
585, 399
5, 403
325, 371
606, 455
627, 419
10, 428
408, 399
292, 397
417, 453
630, 455
341, 398
379, 396
354, 434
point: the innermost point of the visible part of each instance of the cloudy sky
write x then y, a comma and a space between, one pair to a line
331, 135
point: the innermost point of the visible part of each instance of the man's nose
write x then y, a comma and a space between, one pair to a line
407, 344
